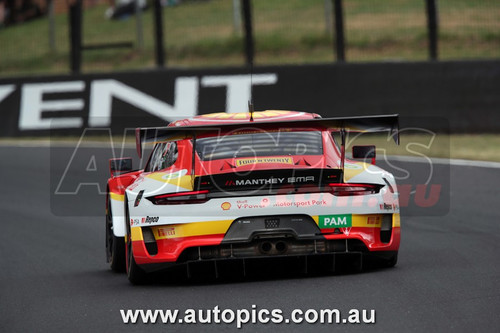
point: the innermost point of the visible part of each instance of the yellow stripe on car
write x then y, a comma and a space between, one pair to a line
136, 234
117, 197
396, 220
352, 169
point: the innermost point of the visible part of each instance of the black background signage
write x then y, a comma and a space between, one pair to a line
464, 93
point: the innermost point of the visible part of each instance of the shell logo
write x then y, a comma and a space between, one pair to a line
225, 206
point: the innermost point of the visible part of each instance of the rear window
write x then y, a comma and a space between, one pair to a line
260, 144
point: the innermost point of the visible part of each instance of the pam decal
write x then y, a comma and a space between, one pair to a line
335, 221
263, 160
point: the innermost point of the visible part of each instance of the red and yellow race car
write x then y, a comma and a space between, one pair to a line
221, 189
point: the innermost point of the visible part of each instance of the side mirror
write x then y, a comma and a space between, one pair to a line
364, 152
120, 165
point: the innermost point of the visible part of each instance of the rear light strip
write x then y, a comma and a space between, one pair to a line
196, 197
180, 198
345, 189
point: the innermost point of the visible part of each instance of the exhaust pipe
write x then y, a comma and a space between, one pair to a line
281, 247
265, 247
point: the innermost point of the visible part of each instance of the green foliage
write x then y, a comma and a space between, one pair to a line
202, 34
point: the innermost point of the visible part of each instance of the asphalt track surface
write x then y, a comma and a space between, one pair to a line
53, 275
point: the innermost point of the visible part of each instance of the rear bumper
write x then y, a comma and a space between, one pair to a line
361, 242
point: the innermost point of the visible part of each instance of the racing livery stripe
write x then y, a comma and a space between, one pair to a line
136, 234
118, 197
396, 220
220, 227
191, 229
352, 169
177, 178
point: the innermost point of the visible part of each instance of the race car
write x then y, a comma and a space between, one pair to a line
221, 189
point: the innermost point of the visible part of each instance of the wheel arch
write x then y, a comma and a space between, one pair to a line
116, 195
118, 216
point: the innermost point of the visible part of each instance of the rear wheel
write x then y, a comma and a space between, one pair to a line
135, 274
382, 260
115, 246
391, 261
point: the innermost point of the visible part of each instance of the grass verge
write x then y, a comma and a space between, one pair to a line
202, 33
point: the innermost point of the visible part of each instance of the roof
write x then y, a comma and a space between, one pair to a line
243, 117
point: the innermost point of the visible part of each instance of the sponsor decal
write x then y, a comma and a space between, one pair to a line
259, 131
150, 219
164, 232
244, 204
386, 206
259, 181
335, 221
269, 181
373, 220
250, 206
263, 160
306, 179
225, 206
134, 222
175, 175
305, 203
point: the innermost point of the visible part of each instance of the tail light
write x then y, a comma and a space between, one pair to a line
193, 197
344, 189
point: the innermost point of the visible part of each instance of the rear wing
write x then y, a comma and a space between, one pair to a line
364, 124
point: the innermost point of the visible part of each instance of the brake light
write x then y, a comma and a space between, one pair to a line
344, 189
193, 197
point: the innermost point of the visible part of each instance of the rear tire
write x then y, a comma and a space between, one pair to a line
382, 260
135, 274
115, 246
391, 261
